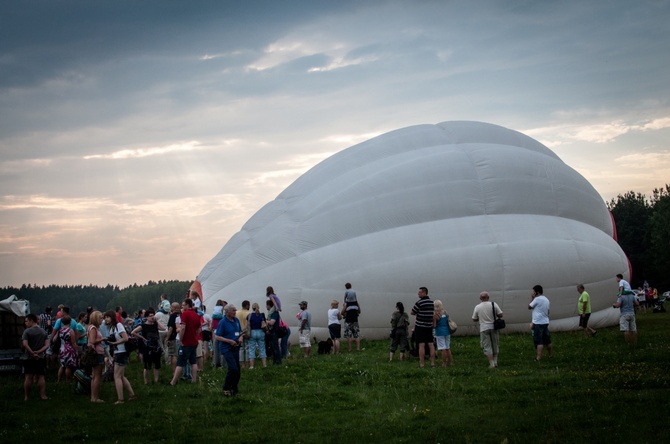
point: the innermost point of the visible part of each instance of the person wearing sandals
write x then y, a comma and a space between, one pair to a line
94, 340
489, 338
229, 337
118, 337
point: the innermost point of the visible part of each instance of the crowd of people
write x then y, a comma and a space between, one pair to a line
183, 336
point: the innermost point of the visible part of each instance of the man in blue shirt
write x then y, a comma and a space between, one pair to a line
229, 338
627, 304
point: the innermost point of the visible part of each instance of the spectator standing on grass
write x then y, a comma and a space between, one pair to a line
305, 327
206, 334
257, 327
229, 337
67, 355
148, 333
335, 325
35, 343
584, 309
171, 336
163, 318
82, 339
244, 348
351, 310
217, 315
627, 304
540, 306
118, 338
424, 309
94, 340
400, 331
189, 329
284, 342
489, 338
442, 333
273, 324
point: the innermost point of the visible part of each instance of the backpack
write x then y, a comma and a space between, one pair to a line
83, 385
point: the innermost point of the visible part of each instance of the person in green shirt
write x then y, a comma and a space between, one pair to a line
584, 309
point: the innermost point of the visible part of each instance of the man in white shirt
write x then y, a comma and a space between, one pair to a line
540, 306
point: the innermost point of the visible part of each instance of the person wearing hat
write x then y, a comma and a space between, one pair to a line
305, 324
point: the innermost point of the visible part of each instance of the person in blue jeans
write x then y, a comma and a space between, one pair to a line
255, 321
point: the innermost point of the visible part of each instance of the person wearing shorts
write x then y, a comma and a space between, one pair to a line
118, 338
35, 341
627, 304
540, 305
334, 325
584, 310
442, 333
485, 314
424, 309
189, 333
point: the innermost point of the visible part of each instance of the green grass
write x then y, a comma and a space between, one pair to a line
594, 390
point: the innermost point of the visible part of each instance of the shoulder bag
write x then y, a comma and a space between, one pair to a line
498, 323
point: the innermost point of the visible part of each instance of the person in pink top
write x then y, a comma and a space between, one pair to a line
189, 332
95, 341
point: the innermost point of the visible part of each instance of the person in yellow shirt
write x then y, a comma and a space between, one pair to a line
584, 310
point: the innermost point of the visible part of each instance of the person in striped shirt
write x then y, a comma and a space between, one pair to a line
423, 326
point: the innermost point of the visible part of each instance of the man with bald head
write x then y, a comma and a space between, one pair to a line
485, 313
229, 339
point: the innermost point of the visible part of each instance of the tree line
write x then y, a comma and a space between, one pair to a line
80, 297
643, 230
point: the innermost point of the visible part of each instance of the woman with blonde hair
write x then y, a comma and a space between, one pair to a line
334, 325
118, 338
257, 326
442, 333
95, 342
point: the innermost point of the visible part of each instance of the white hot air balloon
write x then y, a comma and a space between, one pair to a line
458, 207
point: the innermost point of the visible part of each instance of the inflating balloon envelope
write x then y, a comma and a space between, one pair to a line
458, 207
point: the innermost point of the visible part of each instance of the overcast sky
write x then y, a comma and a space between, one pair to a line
137, 137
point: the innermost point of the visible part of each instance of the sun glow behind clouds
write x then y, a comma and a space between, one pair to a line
595, 133
146, 152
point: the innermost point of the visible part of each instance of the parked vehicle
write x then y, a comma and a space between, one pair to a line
12, 315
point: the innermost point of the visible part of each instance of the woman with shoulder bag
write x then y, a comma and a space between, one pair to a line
118, 338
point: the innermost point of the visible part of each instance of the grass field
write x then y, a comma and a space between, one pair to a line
594, 390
